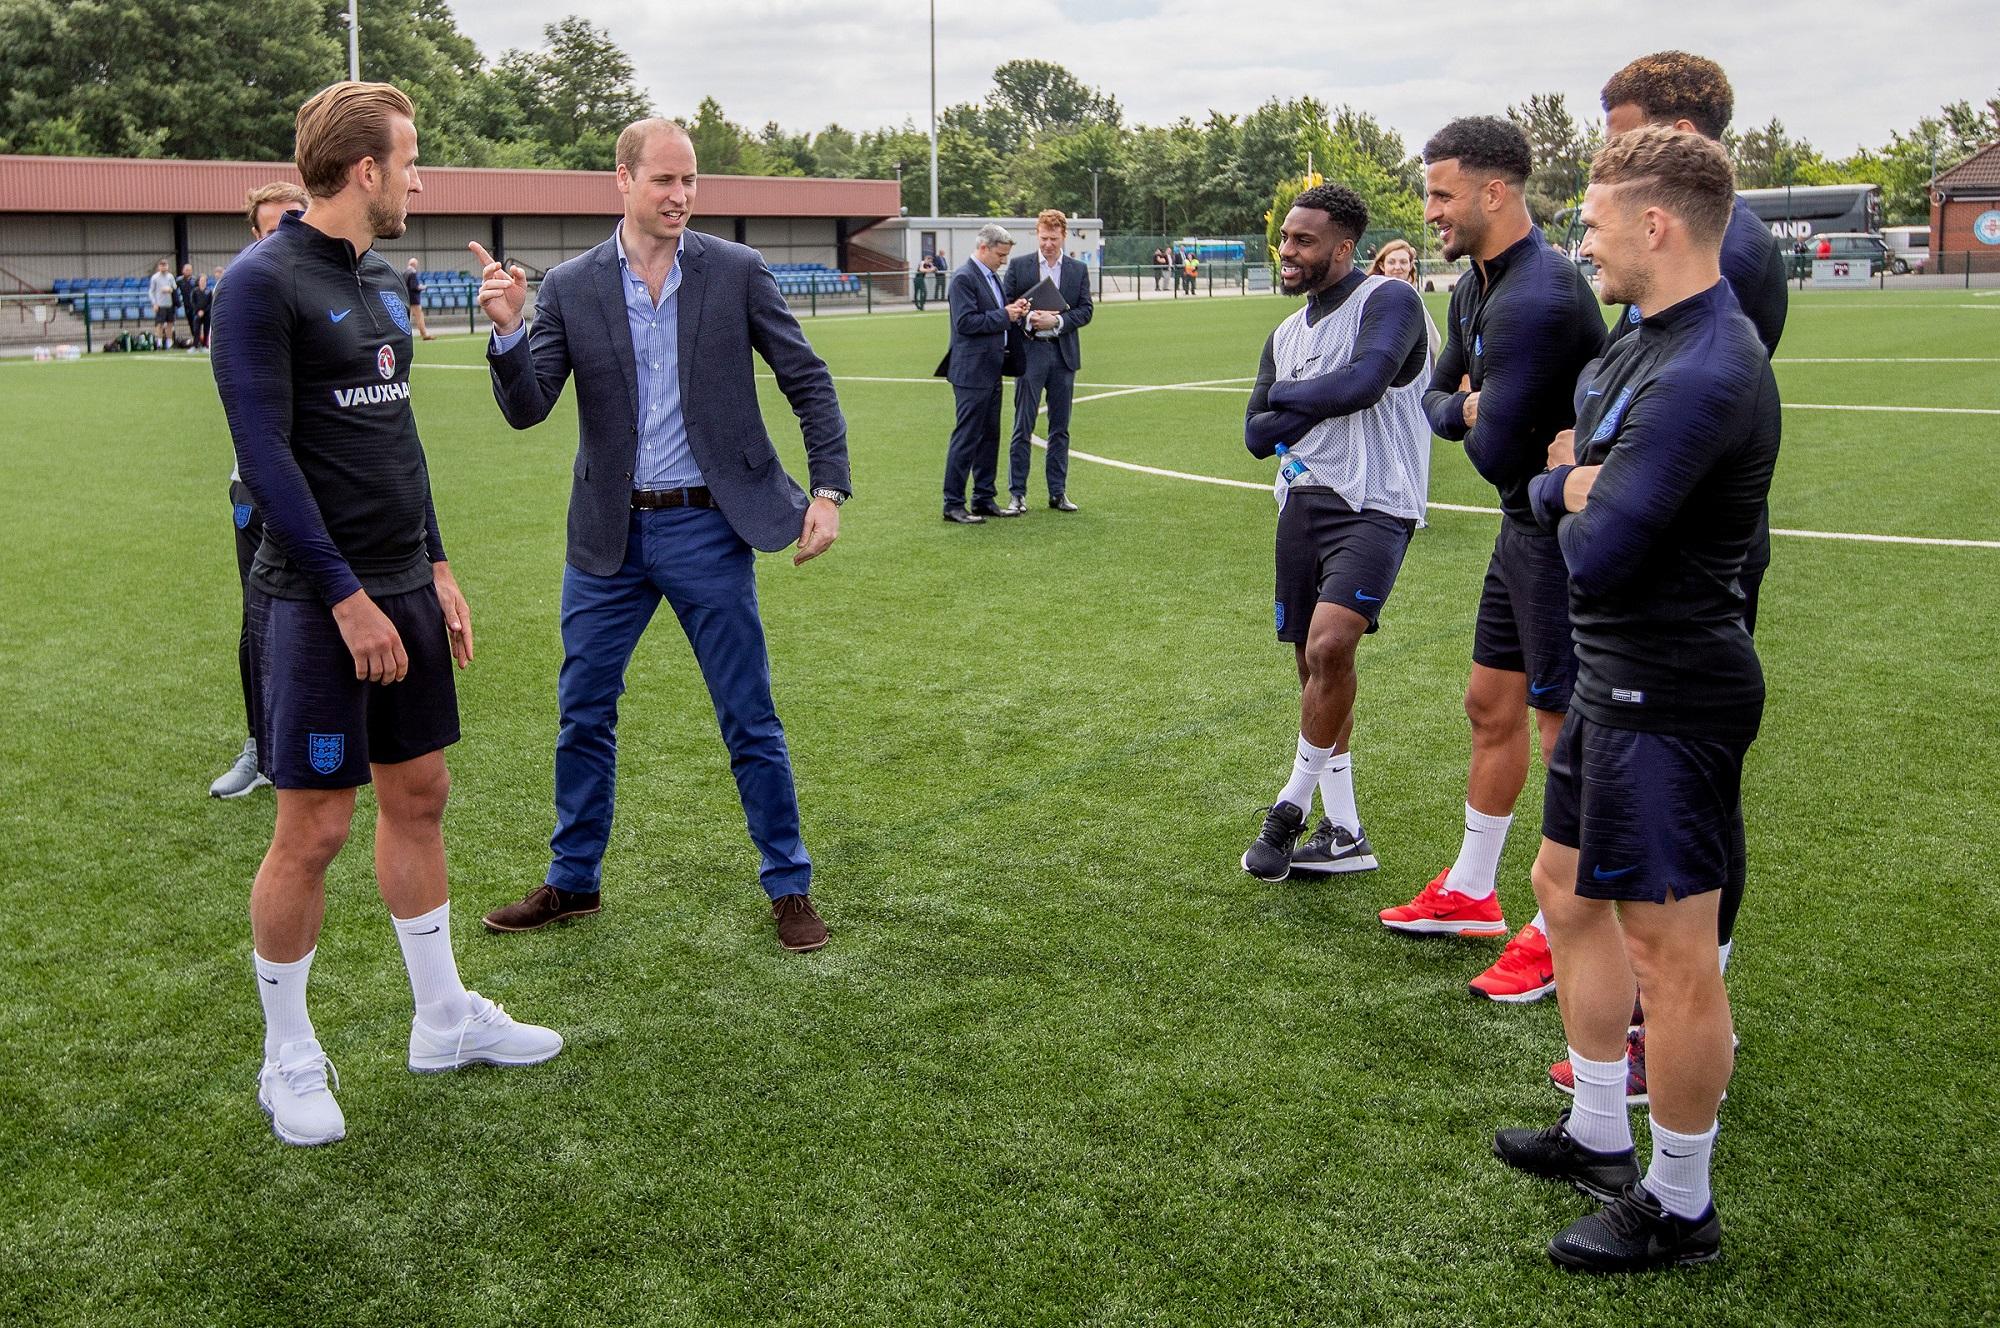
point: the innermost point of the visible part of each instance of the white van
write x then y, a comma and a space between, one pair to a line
1909, 247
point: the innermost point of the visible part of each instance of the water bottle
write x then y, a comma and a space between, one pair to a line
1290, 468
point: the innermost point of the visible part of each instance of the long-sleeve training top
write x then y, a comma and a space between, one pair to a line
1388, 352
311, 354
1683, 416
1523, 325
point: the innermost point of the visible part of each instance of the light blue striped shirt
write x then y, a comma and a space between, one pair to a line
665, 461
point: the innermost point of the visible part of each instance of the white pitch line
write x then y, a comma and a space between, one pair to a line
1896, 410
1219, 481
1886, 359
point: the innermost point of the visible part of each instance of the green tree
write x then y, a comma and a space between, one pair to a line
1163, 179
570, 99
1562, 152
160, 78
1040, 98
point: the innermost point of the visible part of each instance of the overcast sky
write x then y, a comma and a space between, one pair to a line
1838, 72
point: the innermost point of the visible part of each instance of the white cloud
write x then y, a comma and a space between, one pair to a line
1838, 72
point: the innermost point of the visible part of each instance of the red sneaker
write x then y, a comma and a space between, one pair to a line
1564, 1077
1524, 971
1437, 910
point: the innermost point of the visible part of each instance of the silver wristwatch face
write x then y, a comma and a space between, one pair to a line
834, 496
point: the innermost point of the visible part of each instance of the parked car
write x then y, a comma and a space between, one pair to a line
1909, 247
1851, 245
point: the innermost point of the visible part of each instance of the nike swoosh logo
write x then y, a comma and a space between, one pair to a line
336, 317
1542, 691
1603, 875
272, 981
1367, 598
432, 932
1677, 1156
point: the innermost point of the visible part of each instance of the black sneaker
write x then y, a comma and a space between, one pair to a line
1633, 1233
1333, 848
1270, 857
1553, 1154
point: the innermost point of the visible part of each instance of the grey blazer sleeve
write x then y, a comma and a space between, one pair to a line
803, 378
528, 379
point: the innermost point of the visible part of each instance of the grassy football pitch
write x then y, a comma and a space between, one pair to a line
1063, 1061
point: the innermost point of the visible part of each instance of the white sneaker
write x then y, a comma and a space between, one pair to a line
242, 777
294, 1093
486, 1036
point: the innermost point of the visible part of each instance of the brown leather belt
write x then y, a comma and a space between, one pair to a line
653, 499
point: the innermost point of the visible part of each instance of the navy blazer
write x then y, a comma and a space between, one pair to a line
979, 330
729, 306
1073, 281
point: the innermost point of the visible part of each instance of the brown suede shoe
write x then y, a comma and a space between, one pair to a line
799, 927
542, 906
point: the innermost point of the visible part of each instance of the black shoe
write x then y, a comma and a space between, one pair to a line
988, 509
1062, 503
1333, 848
963, 517
1633, 1233
1554, 1154
1270, 857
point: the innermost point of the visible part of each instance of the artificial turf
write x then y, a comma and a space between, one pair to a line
1063, 1061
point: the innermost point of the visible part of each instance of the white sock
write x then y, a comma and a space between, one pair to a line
1336, 792
282, 988
1598, 1121
1478, 854
1306, 770
426, 943
1540, 924
1722, 954
1678, 1176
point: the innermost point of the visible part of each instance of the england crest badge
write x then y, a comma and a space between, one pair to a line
326, 751
399, 312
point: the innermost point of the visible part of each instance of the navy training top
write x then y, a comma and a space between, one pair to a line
311, 354
1388, 352
1755, 266
1683, 416
1522, 326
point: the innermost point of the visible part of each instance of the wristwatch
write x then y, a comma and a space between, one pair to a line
834, 496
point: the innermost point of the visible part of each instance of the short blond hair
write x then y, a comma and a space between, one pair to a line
1052, 217
278, 191
342, 124
1685, 174
634, 137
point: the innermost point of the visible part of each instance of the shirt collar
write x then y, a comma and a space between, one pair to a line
618, 238
1506, 258
1708, 302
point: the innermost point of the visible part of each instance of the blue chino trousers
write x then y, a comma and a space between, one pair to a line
707, 574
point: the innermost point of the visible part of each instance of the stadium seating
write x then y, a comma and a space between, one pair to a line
813, 279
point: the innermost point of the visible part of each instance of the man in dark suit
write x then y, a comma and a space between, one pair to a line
981, 322
1052, 359
676, 485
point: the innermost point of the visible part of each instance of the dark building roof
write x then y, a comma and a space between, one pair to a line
1979, 173
121, 185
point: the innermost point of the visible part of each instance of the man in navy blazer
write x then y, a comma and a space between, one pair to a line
1052, 359
676, 484
982, 320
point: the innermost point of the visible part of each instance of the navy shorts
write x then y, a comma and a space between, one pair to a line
1329, 553
320, 727
1653, 816
1523, 622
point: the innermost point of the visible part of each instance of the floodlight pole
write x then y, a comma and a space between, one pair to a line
354, 40
1094, 213
934, 189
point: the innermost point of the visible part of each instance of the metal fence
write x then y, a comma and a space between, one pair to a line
55, 326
